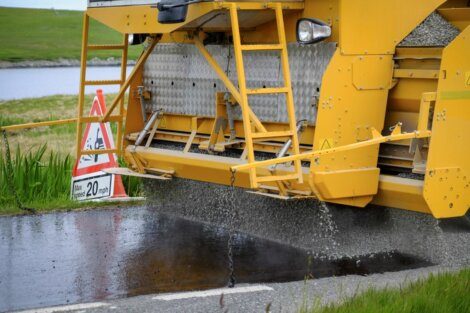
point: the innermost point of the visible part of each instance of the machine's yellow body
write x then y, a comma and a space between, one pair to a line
380, 106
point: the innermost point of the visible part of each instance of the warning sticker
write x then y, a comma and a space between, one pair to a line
327, 144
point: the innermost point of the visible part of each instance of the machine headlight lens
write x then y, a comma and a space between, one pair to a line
136, 39
311, 31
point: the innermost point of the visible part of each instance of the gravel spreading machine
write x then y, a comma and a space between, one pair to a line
294, 99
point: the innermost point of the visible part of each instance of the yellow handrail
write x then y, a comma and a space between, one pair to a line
38, 124
377, 139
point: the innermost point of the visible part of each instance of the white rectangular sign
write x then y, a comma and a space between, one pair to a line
93, 186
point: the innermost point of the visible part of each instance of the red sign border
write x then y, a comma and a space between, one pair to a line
98, 108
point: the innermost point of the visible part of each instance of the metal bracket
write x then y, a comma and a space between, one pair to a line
223, 119
127, 172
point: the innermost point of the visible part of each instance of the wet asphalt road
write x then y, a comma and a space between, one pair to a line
100, 255
284, 297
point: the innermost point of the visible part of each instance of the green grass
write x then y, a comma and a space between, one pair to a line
59, 139
43, 180
42, 167
442, 293
38, 178
37, 34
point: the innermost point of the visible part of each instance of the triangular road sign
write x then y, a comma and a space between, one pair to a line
89, 182
97, 136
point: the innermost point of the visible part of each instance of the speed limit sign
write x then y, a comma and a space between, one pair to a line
88, 187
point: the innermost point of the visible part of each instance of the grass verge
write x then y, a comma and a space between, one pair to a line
60, 139
43, 181
42, 166
38, 34
445, 292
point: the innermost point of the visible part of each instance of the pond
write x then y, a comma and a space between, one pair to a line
20, 83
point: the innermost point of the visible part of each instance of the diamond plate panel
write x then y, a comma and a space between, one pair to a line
181, 80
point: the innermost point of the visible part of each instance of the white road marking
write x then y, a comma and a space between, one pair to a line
212, 292
72, 307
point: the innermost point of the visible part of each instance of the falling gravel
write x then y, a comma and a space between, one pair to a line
339, 231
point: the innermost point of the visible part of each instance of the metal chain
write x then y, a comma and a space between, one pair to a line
10, 175
231, 281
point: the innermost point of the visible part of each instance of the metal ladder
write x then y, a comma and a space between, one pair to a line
119, 118
250, 135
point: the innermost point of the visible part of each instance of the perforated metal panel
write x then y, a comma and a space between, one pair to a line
182, 82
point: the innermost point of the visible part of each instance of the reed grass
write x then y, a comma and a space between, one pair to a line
37, 178
42, 181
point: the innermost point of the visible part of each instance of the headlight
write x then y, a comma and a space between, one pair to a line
311, 30
136, 39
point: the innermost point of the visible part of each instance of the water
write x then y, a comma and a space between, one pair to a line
20, 83
65, 258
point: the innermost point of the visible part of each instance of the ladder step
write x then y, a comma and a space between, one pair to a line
261, 47
93, 152
289, 191
265, 91
127, 172
266, 179
106, 47
102, 82
278, 134
97, 119
160, 171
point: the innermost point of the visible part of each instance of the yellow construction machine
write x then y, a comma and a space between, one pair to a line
293, 99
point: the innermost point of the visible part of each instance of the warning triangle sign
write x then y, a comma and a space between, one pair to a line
88, 169
97, 136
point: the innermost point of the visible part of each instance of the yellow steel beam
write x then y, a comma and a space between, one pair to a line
104, 151
97, 119
313, 154
120, 126
107, 47
416, 73
447, 188
85, 119
278, 178
403, 193
81, 93
271, 135
267, 91
38, 124
281, 31
102, 82
242, 85
459, 17
128, 81
393, 191
424, 111
143, 19
261, 47
227, 82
